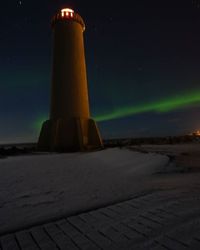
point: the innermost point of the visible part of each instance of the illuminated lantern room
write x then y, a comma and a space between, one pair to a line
67, 13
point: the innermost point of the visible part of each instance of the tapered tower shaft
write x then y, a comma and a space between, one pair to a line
69, 81
70, 126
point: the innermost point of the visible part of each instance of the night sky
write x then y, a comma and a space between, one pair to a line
143, 64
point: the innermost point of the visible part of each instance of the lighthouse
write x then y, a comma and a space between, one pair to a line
70, 127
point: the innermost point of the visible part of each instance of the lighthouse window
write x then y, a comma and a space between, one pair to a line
67, 12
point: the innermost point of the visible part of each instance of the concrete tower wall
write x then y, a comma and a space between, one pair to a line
70, 127
69, 81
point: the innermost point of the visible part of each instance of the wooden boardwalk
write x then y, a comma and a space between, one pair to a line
161, 220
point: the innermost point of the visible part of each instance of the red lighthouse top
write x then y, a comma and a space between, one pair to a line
68, 14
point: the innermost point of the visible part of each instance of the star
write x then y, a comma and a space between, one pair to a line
139, 69
20, 2
95, 28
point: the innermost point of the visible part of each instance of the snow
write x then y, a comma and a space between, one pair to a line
38, 188
186, 157
174, 149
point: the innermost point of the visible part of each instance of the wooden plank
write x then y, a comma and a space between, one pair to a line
8, 242
26, 241
42, 239
76, 236
61, 240
91, 233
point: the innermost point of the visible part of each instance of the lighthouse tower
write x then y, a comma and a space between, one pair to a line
70, 127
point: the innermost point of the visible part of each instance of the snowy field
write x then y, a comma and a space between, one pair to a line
176, 149
35, 189
186, 156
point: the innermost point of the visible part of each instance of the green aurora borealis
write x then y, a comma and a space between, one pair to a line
162, 106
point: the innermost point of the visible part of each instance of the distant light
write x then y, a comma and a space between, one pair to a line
67, 12
197, 132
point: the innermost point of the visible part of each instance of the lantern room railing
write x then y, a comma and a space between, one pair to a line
68, 14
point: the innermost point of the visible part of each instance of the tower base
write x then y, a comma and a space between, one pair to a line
68, 135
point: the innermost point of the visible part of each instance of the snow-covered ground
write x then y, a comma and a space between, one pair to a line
35, 189
174, 149
186, 156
